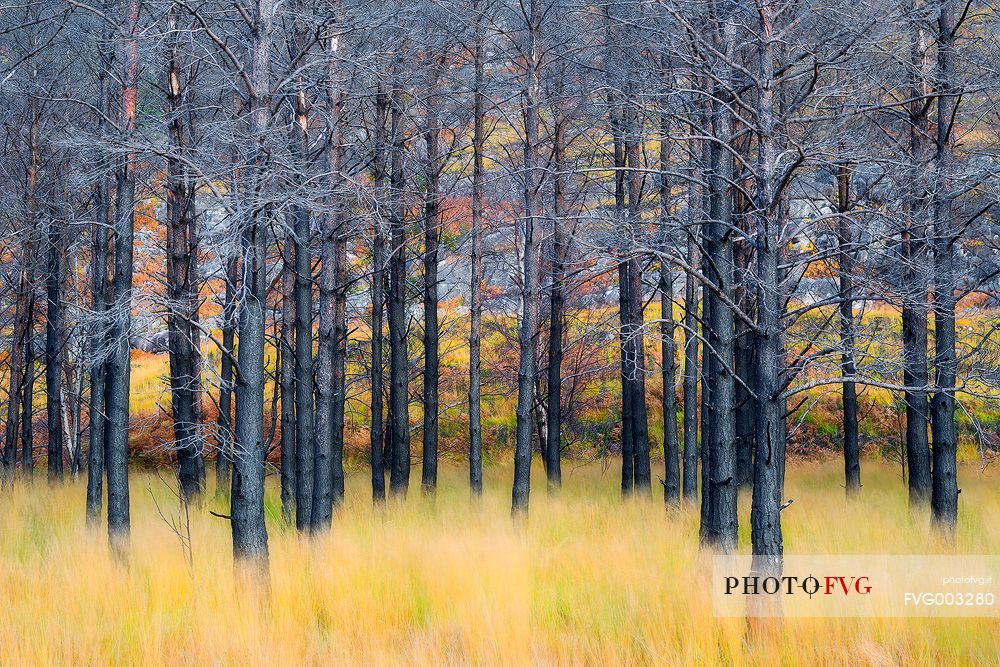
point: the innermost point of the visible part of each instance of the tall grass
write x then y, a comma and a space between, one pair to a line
589, 579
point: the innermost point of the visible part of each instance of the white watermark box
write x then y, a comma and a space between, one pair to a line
858, 585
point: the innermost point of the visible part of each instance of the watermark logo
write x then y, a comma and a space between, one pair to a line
870, 585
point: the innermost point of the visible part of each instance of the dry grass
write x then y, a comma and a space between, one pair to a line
589, 580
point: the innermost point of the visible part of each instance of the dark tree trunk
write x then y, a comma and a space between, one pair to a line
27, 407
399, 421
528, 326
627, 434
668, 345
769, 452
745, 405
476, 260
432, 235
691, 343
182, 286
914, 286
54, 338
377, 434
312, 456
845, 238
944, 489
553, 407
329, 357
249, 530
296, 492
636, 322
722, 483
224, 457
119, 371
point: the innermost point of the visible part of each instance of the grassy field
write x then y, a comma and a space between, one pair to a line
588, 580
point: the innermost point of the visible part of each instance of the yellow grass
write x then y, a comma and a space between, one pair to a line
589, 580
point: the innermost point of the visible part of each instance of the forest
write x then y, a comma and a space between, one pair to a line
708, 276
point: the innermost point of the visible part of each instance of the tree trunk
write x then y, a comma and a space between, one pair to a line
399, 421
944, 489
329, 359
249, 530
553, 408
528, 326
312, 456
722, 483
224, 457
117, 383
295, 462
476, 260
668, 347
636, 321
691, 343
765, 512
432, 235
181, 276
377, 434
914, 284
845, 238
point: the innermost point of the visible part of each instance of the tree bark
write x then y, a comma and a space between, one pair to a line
668, 346
399, 420
845, 238
332, 332
476, 259
224, 457
528, 326
182, 287
249, 530
117, 386
295, 462
915, 283
765, 512
944, 489
553, 407
377, 435
432, 236
54, 339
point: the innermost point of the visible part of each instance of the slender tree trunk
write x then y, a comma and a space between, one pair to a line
691, 343
553, 409
224, 457
845, 237
55, 336
296, 492
432, 235
336, 96
399, 421
944, 489
914, 284
117, 386
313, 464
722, 483
765, 513
181, 276
27, 402
627, 435
378, 302
528, 326
249, 530
668, 347
476, 260
329, 358
636, 321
